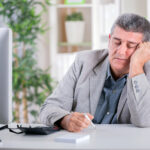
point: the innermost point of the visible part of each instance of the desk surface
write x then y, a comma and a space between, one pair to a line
105, 137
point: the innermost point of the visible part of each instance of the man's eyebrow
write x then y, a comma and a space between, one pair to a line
116, 38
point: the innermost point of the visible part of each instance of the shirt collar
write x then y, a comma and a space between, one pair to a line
109, 75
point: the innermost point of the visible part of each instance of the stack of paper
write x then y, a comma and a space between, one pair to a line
72, 138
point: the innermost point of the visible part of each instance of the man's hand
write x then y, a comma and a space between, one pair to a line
139, 58
75, 122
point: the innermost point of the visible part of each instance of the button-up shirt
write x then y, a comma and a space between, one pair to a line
108, 102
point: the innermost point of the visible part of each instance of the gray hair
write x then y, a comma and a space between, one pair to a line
133, 23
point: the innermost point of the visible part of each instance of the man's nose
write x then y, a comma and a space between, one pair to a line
122, 49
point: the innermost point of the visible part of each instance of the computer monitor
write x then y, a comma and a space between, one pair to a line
5, 76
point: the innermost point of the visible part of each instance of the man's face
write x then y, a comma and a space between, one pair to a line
122, 44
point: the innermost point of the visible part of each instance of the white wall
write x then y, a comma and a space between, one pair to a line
134, 6
43, 45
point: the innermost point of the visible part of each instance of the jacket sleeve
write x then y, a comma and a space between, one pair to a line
138, 99
60, 102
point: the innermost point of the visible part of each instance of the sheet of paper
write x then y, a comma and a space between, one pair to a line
72, 138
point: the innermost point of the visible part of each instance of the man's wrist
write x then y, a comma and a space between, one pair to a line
58, 123
136, 68
64, 121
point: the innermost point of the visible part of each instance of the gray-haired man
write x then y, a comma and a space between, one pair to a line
111, 86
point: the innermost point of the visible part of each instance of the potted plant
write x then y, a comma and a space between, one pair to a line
74, 26
31, 85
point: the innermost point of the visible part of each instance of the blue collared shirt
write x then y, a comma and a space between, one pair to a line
108, 102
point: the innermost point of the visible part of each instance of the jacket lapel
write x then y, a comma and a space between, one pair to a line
122, 100
97, 80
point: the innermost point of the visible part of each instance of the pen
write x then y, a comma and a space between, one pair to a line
86, 116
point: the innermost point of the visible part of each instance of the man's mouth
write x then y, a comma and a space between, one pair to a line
121, 59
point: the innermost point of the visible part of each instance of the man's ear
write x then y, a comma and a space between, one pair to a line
109, 40
109, 36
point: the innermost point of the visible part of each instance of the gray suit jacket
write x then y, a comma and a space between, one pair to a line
81, 88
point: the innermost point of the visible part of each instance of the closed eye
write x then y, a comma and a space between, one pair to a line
117, 41
131, 45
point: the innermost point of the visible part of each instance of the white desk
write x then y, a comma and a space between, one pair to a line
105, 137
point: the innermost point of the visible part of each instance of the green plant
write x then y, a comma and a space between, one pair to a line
75, 16
68, 2
31, 85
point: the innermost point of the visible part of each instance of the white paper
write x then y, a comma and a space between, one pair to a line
73, 138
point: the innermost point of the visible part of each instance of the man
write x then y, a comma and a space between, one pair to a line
109, 86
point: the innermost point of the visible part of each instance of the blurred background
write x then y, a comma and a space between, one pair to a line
47, 36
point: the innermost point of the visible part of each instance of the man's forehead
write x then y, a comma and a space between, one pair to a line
122, 34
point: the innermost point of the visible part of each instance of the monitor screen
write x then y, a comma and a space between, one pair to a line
5, 76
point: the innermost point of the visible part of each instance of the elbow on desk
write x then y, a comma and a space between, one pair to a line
42, 118
141, 123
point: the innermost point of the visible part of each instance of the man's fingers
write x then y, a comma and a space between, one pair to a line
76, 129
75, 122
84, 120
76, 126
82, 124
90, 116
79, 117
79, 121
